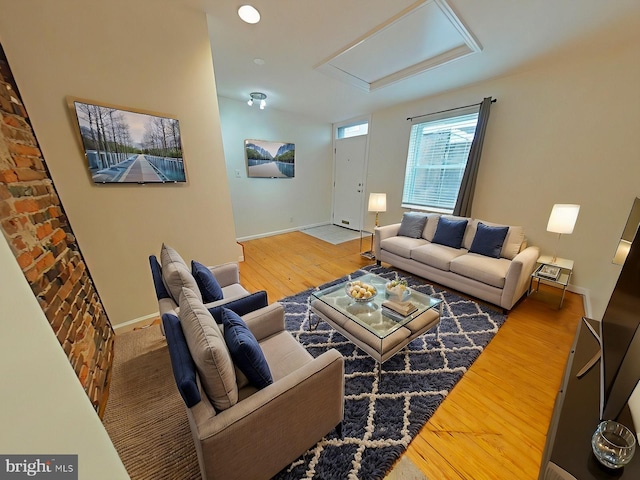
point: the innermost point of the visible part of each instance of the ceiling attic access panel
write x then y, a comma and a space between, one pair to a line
424, 36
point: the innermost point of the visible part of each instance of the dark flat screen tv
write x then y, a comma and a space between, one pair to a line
129, 146
270, 159
620, 338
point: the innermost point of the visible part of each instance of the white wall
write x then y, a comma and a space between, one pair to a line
263, 206
147, 54
563, 132
44, 409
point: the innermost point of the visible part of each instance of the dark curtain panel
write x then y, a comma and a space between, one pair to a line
468, 185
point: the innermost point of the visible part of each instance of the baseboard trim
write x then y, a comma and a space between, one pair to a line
140, 322
586, 298
279, 232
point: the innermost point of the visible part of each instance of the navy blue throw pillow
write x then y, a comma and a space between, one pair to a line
488, 240
245, 350
184, 370
207, 283
241, 306
450, 232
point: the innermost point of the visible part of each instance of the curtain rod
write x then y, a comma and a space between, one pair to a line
450, 109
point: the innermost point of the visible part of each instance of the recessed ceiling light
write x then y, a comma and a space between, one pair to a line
249, 14
259, 61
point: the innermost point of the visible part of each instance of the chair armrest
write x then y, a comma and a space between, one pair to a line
518, 276
226, 273
381, 233
266, 321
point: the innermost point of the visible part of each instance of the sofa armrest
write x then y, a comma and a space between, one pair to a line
518, 276
226, 273
381, 233
265, 322
296, 412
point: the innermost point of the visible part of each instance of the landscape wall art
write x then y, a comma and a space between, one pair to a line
270, 159
129, 146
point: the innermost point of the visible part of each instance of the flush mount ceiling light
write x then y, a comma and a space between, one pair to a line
258, 96
249, 14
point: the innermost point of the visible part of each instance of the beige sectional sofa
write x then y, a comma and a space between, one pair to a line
501, 279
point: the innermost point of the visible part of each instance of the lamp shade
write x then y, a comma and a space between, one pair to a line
621, 252
563, 218
377, 202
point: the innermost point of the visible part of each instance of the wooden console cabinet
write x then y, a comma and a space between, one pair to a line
568, 454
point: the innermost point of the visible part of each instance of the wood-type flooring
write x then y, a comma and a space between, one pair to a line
493, 424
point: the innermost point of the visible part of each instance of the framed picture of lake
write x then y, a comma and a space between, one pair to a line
269, 159
123, 145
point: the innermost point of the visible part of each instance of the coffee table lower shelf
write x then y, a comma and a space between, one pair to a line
378, 348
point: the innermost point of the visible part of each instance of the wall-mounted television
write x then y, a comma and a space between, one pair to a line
269, 159
124, 145
620, 338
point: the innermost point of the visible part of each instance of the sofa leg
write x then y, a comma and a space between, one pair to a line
378, 262
339, 430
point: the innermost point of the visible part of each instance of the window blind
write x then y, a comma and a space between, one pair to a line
436, 160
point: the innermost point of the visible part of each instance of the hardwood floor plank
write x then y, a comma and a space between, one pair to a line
493, 423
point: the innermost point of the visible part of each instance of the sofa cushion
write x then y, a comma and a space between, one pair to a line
176, 274
412, 224
488, 240
512, 243
450, 232
209, 351
156, 274
430, 228
491, 271
401, 246
245, 350
168, 254
241, 306
176, 277
284, 354
207, 283
184, 370
436, 255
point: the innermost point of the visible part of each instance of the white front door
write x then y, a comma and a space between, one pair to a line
348, 190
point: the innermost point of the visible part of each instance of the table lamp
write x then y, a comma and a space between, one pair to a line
562, 220
377, 203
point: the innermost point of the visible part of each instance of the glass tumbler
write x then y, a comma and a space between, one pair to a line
613, 444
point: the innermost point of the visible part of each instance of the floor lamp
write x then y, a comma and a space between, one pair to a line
562, 220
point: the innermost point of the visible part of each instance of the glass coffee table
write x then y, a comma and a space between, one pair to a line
380, 333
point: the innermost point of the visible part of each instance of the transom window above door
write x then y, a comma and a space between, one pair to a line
353, 130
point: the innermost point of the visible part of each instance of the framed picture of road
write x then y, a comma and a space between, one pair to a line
123, 145
270, 159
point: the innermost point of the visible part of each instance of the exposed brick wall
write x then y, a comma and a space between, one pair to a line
34, 223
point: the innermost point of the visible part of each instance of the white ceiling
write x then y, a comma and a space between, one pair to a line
295, 36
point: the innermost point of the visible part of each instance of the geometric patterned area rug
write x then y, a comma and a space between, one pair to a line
381, 417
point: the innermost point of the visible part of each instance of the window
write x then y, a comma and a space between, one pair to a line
353, 130
438, 153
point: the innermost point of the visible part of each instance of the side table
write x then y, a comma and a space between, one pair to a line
565, 269
369, 253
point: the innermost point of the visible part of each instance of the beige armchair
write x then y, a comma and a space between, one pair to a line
266, 429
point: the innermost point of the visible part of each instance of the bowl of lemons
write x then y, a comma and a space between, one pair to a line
397, 290
360, 291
